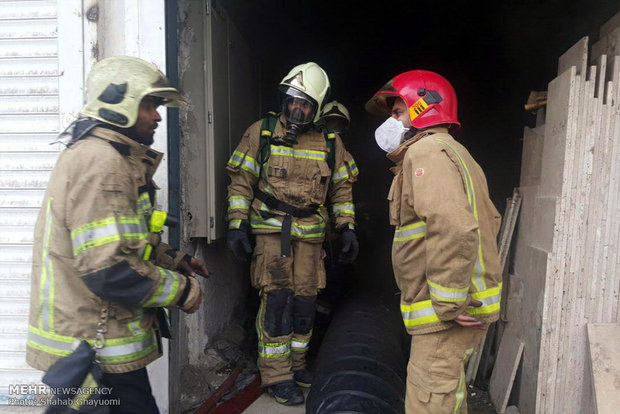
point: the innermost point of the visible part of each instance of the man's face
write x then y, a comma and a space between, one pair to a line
401, 112
298, 110
147, 121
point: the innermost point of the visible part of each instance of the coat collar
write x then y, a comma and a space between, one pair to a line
129, 147
398, 154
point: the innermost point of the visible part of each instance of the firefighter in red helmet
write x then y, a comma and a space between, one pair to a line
444, 251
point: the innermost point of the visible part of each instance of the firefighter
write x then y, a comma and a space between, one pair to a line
335, 116
282, 172
444, 252
98, 272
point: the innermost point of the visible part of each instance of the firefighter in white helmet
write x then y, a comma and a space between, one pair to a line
335, 116
282, 172
100, 273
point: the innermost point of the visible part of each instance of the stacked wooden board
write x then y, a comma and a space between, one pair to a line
566, 270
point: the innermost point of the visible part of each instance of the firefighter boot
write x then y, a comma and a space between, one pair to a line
286, 393
303, 378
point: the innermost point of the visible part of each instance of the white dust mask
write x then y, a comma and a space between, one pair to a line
389, 134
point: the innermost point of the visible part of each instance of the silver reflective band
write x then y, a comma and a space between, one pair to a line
420, 313
299, 345
169, 279
94, 234
127, 349
272, 350
448, 294
50, 343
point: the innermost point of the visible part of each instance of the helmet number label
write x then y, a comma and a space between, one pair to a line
417, 108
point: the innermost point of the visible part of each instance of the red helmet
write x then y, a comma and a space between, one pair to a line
430, 98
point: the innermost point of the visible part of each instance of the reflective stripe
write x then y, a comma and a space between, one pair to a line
115, 350
447, 294
236, 158
134, 324
299, 345
144, 203
47, 287
423, 313
166, 291
234, 224
353, 167
410, 232
273, 350
490, 299
418, 313
298, 153
297, 230
340, 174
343, 208
246, 162
479, 268
106, 231
238, 203
59, 345
139, 346
88, 388
460, 389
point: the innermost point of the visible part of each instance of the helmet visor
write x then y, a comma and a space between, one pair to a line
337, 124
298, 110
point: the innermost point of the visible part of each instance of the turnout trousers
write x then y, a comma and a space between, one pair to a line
436, 373
288, 287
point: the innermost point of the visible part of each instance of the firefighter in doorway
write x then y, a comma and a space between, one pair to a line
282, 172
100, 272
444, 250
335, 116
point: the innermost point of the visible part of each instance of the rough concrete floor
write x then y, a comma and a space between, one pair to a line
478, 403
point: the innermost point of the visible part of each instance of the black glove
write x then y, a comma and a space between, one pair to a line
239, 243
350, 247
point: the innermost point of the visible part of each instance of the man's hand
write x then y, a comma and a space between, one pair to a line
468, 321
195, 267
196, 304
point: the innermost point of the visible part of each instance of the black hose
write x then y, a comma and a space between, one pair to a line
362, 364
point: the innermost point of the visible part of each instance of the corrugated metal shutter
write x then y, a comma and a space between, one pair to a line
29, 121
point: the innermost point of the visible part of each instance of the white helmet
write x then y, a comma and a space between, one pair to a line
307, 82
116, 86
336, 117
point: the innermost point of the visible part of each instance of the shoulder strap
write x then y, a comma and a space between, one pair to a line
330, 140
266, 132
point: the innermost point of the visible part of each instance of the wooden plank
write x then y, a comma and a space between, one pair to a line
504, 371
531, 159
575, 56
604, 358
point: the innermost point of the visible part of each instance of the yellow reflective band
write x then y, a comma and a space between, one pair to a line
446, 294
238, 203
265, 133
343, 208
89, 385
166, 291
412, 231
423, 313
234, 224
331, 135
144, 203
340, 174
417, 108
479, 269
274, 350
298, 153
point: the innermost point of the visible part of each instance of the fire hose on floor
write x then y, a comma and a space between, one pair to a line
362, 364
